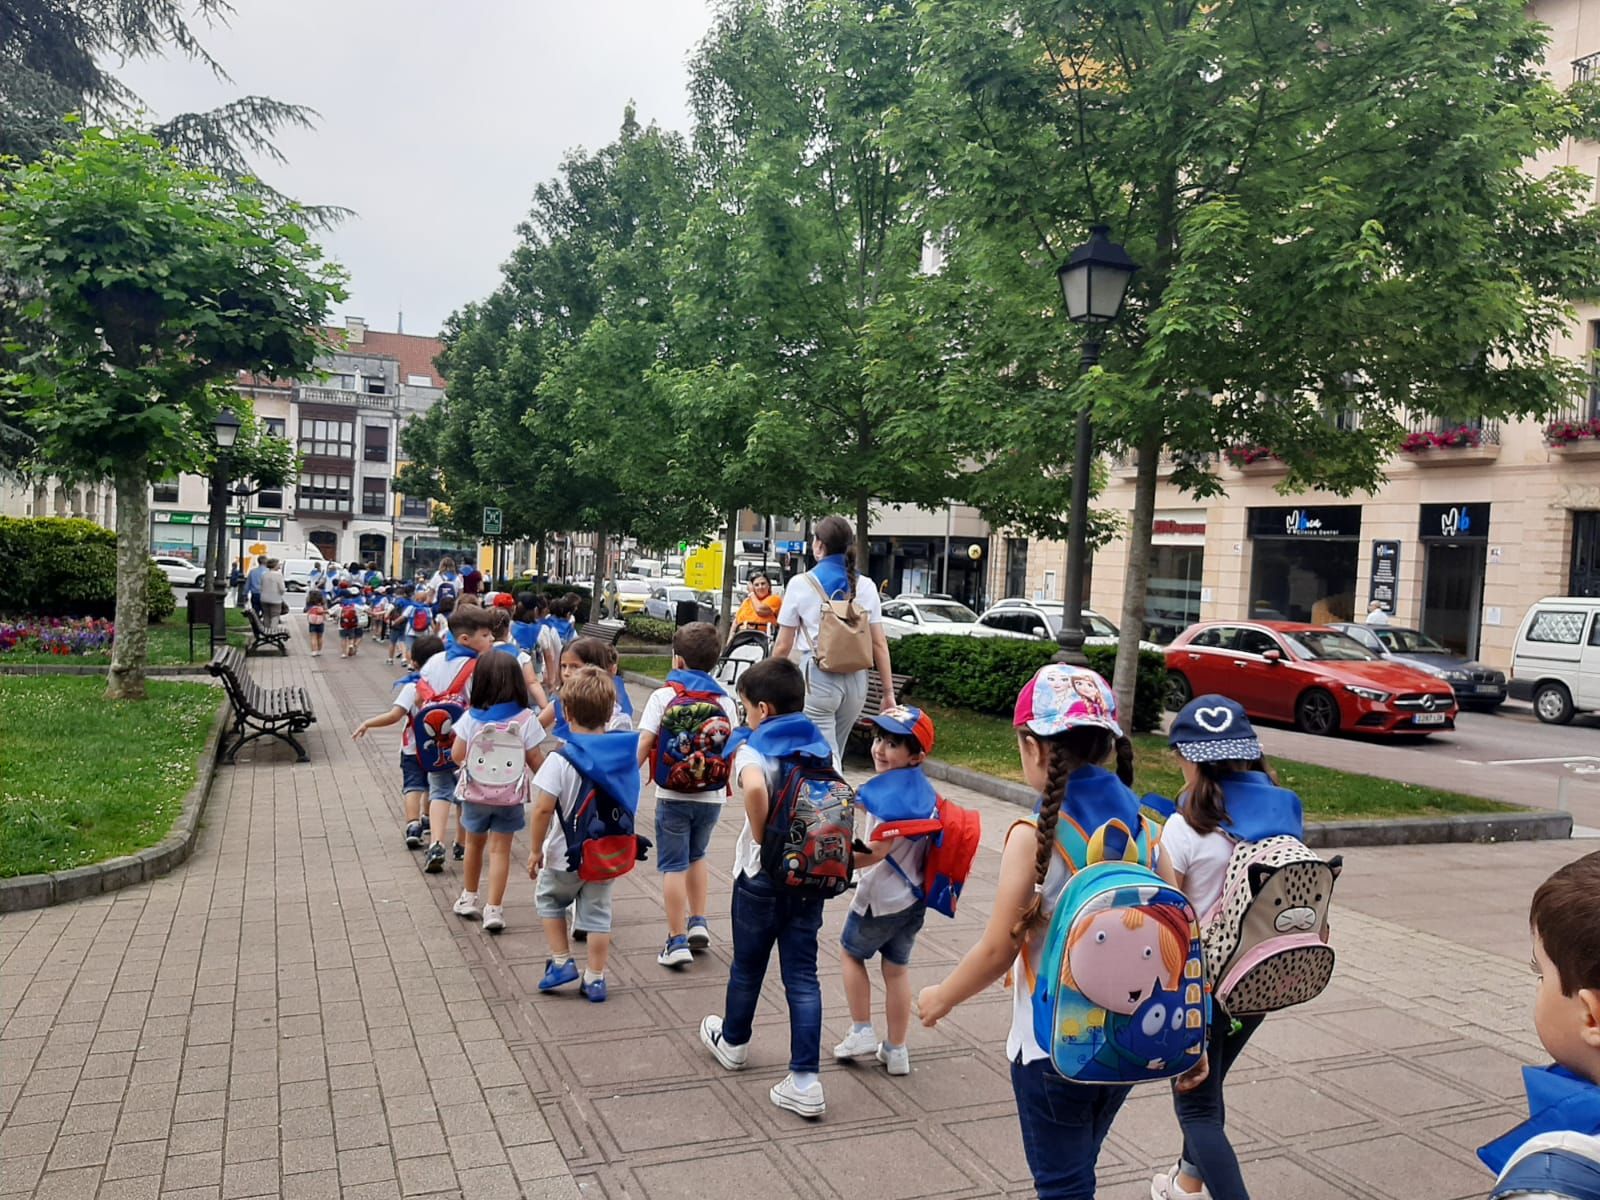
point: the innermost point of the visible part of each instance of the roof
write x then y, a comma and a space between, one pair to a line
414, 353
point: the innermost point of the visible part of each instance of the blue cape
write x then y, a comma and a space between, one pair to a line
409, 677
696, 681
624, 701
560, 728
611, 760
508, 648
498, 712
1258, 808
833, 575
1095, 796
1558, 1102
525, 634
779, 737
902, 795
454, 649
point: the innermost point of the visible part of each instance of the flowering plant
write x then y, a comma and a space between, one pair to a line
1445, 439
1564, 433
1242, 455
55, 636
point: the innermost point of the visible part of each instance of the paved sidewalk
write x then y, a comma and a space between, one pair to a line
296, 1012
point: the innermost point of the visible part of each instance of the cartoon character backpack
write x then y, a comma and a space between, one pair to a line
496, 767
348, 617
434, 723
601, 843
688, 755
952, 849
1266, 940
807, 844
1119, 994
421, 618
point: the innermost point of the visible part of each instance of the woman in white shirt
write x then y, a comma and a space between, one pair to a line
833, 700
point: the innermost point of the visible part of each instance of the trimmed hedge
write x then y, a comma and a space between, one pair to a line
648, 629
64, 567
985, 674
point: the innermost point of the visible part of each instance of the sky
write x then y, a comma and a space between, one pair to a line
437, 120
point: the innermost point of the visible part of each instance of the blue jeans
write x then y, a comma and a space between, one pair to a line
1063, 1124
762, 918
1203, 1115
683, 831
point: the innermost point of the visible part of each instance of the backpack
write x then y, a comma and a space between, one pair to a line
1120, 994
421, 619
396, 616
348, 617
807, 843
688, 755
843, 644
601, 843
952, 849
445, 591
433, 724
496, 767
1266, 938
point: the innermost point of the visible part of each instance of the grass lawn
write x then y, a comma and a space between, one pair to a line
656, 665
169, 645
82, 779
989, 744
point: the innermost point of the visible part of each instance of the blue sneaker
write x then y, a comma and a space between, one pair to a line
676, 952
557, 976
699, 933
596, 991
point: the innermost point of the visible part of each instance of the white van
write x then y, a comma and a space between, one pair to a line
297, 572
1556, 659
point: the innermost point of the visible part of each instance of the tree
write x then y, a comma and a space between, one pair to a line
256, 460
1333, 209
154, 283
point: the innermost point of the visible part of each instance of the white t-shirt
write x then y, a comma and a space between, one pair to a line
440, 671
747, 849
1021, 1039
1202, 860
650, 722
406, 698
548, 643
802, 608
880, 887
560, 779
532, 735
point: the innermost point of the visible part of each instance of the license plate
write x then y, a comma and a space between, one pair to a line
1487, 689
1428, 719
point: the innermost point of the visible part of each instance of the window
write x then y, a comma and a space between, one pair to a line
1218, 636
269, 498
1594, 370
165, 492
325, 493
1557, 625
374, 497
377, 443
897, 612
375, 385
1254, 641
1594, 632
328, 439
275, 427
1016, 566
1049, 585
416, 507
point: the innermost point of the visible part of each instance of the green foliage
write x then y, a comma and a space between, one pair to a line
648, 629
64, 567
985, 674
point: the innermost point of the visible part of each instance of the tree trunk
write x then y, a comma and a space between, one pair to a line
863, 546
730, 573
129, 648
1136, 576
602, 569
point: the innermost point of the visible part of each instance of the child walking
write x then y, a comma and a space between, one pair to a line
316, 619
1066, 725
413, 779
496, 747
774, 695
609, 760
1230, 796
585, 652
447, 677
683, 736
886, 909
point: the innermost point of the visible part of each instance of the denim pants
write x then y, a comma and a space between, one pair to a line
762, 918
1203, 1115
1063, 1124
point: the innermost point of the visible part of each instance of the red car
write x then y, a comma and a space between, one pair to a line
1322, 680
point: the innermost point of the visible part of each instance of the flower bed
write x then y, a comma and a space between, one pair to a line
1459, 438
1564, 433
57, 637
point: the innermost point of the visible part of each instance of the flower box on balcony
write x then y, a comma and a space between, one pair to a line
1461, 446
1580, 448
1459, 456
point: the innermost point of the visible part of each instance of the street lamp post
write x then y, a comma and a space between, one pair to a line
225, 432
1094, 283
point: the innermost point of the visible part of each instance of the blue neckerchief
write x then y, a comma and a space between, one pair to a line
780, 737
1095, 796
1558, 1101
696, 681
454, 649
834, 577
559, 728
611, 760
525, 634
498, 712
410, 677
624, 701
900, 795
510, 648
1259, 808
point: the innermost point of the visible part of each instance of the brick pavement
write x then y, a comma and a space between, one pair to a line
237, 1029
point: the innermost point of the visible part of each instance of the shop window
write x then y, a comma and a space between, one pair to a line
377, 443
374, 497
1016, 567
165, 492
1172, 602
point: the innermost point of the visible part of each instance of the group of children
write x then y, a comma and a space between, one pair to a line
557, 738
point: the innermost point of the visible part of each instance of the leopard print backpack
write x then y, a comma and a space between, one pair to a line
1266, 939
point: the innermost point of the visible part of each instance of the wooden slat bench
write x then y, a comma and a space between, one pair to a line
262, 638
604, 631
259, 711
874, 705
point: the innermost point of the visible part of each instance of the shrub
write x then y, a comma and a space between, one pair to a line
985, 674
64, 567
648, 629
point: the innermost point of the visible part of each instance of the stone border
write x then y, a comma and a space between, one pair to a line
58, 887
198, 668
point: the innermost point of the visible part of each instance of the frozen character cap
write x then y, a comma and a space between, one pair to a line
1214, 729
908, 722
1062, 697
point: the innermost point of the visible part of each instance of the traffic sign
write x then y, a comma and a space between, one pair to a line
493, 522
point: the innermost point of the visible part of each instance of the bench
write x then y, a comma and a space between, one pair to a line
605, 631
874, 705
263, 638
259, 711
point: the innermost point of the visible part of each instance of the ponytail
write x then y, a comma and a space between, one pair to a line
1205, 807
837, 537
850, 569
1124, 745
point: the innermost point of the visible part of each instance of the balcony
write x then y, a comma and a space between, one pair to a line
1436, 443
1586, 68
1574, 431
347, 399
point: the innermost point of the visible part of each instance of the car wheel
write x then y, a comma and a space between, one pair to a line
1179, 692
1317, 712
1552, 703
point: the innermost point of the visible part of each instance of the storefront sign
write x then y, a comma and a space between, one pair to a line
163, 516
1322, 521
1455, 522
1385, 584
1178, 528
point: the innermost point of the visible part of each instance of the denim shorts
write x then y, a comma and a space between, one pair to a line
442, 786
894, 934
493, 818
314, 627
683, 831
412, 777
558, 891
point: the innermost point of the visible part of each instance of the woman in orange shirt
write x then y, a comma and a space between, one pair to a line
760, 607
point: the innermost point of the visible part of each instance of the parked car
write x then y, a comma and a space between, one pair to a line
929, 614
1555, 661
1322, 680
1475, 685
632, 595
1042, 620
180, 572
664, 600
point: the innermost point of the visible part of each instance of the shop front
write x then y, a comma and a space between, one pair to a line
919, 566
1303, 562
1177, 557
183, 534
1455, 547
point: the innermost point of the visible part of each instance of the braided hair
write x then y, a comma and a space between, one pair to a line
1086, 745
837, 537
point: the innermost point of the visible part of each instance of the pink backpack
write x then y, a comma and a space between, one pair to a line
496, 767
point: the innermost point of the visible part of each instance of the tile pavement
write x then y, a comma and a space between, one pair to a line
296, 1013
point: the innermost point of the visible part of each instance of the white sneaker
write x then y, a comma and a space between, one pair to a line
466, 905
857, 1044
494, 918
733, 1058
1165, 1187
807, 1103
897, 1060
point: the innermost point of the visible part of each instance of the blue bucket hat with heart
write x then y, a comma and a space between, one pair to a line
1214, 729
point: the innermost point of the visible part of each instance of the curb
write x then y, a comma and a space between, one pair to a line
198, 668
78, 883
